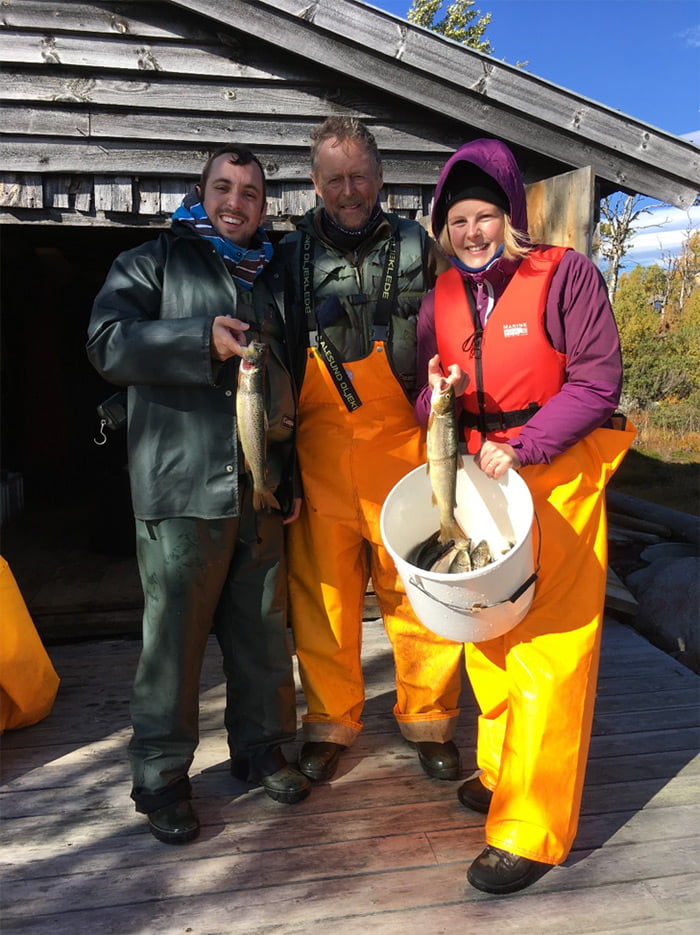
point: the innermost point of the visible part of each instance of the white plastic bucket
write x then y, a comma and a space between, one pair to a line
477, 605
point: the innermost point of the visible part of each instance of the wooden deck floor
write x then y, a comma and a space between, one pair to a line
381, 849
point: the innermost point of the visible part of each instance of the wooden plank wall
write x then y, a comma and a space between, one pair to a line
109, 117
560, 210
483, 93
107, 107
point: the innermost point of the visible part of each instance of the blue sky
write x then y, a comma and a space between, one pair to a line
640, 57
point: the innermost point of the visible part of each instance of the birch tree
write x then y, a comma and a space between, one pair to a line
618, 215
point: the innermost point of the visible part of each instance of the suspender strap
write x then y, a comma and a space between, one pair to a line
307, 287
342, 381
384, 307
386, 303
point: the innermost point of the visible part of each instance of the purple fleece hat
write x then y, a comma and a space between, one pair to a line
495, 159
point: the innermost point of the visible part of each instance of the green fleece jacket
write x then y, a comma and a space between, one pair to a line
354, 282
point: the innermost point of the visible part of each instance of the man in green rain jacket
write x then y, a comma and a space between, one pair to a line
171, 323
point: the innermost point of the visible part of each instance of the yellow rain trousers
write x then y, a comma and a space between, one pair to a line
349, 462
536, 685
28, 682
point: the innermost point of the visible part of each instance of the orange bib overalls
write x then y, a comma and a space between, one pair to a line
349, 462
536, 685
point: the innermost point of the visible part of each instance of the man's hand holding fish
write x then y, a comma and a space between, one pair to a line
228, 337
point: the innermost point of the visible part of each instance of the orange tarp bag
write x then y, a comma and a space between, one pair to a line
28, 681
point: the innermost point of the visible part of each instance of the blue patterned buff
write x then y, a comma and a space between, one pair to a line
244, 265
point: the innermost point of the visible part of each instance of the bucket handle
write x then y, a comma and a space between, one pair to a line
477, 605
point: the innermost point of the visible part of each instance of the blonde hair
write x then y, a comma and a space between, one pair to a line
516, 244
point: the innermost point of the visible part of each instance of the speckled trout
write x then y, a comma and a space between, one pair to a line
252, 422
443, 461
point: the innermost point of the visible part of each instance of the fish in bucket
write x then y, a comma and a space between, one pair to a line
430, 522
477, 605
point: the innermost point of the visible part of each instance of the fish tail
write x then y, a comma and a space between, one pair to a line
452, 530
265, 500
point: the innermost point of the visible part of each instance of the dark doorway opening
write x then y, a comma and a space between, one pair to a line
67, 495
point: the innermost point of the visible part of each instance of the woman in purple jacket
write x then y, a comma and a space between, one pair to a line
526, 335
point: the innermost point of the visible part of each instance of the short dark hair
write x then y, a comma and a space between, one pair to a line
239, 155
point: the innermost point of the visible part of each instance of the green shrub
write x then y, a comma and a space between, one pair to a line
677, 416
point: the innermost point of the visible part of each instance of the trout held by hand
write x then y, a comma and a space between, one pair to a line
449, 550
252, 422
444, 460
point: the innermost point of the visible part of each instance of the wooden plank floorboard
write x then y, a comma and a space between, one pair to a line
425, 899
239, 879
381, 849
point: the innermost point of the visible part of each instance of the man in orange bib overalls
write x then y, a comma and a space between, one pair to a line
359, 276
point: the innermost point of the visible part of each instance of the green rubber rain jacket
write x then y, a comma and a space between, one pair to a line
150, 330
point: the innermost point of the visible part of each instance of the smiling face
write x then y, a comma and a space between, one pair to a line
233, 199
348, 179
476, 230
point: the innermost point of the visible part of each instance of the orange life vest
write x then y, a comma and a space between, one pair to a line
513, 368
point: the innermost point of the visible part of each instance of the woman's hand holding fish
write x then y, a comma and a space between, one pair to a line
455, 376
228, 337
495, 458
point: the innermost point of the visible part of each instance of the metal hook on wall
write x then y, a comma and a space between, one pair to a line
97, 441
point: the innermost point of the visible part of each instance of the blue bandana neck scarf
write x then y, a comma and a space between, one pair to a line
477, 269
244, 265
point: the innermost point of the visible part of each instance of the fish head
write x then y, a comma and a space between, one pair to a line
442, 399
481, 554
254, 355
461, 562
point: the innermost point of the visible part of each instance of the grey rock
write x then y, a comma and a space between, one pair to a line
668, 591
659, 550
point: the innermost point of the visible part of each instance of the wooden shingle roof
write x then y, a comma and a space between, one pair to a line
109, 109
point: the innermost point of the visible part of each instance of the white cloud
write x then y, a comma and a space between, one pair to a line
661, 232
691, 36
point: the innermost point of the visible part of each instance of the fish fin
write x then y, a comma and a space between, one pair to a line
265, 500
452, 531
